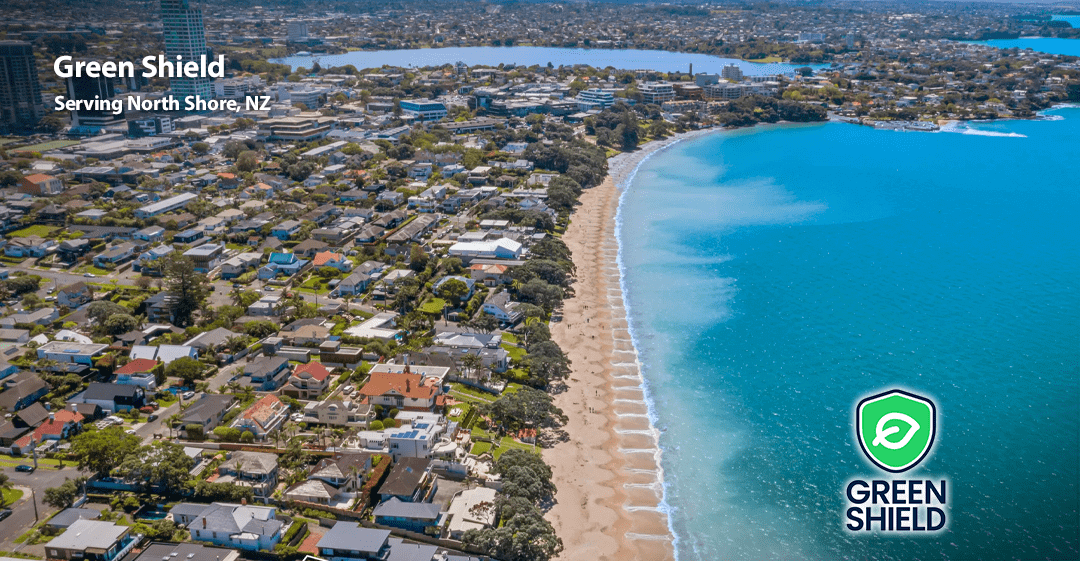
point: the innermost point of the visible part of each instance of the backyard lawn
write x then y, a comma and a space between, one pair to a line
35, 230
433, 306
11, 495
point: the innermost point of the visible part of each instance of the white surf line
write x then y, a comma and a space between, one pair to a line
648, 537
622, 185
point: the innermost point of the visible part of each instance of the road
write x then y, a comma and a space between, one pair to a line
22, 517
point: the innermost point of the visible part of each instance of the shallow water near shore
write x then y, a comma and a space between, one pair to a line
776, 275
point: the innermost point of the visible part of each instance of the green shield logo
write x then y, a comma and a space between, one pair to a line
896, 429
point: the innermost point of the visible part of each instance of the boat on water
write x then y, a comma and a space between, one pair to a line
922, 126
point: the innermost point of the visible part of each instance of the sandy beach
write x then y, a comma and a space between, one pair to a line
608, 474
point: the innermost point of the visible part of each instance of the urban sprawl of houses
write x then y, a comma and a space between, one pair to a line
320, 327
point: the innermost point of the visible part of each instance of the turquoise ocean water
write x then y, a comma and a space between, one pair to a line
1051, 45
774, 276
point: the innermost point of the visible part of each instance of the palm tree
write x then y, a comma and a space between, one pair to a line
171, 421
472, 363
5, 485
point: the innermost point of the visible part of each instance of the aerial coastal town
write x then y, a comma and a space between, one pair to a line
322, 325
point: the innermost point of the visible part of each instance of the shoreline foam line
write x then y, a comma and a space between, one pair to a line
622, 186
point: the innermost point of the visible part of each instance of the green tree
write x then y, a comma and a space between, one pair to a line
453, 290
525, 408
200, 148
185, 285
104, 450
101, 310
186, 368
121, 323
161, 463
64, 495
247, 161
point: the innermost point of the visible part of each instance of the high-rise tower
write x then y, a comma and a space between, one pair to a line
185, 35
20, 91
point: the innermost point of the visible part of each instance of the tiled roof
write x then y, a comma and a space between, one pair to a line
325, 257
315, 369
408, 385
137, 366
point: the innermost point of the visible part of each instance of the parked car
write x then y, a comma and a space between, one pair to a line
89, 275
24, 468
188, 395
152, 418
5, 513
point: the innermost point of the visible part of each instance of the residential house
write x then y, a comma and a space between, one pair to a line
146, 262
60, 425
115, 255
21, 391
470, 509
74, 295
14, 335
245, 527
309, 335
308, 248
139, 372
206, 257
71, 250
212, 341
239, 264
159, 307
112, 397
500, 306
65, 518
151, 234
92, 540
41, 185
307, 381
258, 470
332, 353
186, 552
339, 413
410, 480
332, 259
267, 414
403, 391
208, 412
348, 541
67, 352
286, 229
41, 316
502, 248
318, 492
163, 353
29, 246
266, 373
354, 284
414, 517
282, 264
490, 275
188, 236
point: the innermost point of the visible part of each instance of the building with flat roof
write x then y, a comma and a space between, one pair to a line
206, 256
168, 205
595, 98
425, 110
656, 92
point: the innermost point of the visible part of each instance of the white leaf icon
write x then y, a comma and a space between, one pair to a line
882, 432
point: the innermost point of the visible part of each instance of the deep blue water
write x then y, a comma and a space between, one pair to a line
775, 276
1051, 45
660, 61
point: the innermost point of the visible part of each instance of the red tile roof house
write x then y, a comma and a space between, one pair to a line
331, 259
40, 184
403, 391
61, 425
307, 381
265, 415
139, 372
